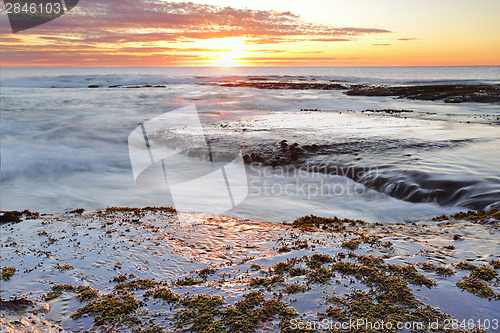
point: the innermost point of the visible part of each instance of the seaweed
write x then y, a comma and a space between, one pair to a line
205, 272
165, 209
139, 211
479, 216
65, 267
119, 278
284, 249
477, 287
440, 270
495, 263
84, 293
187, 281
136, 284
464, 265
135, 211
351, 244
109, 309
317, 260
319, 275
8, 272
484, 272
266, 281
281, 268
165, 294
149, 329
312, 223
295, 288
255, 267
370, 261
204, 313
373, 307
199, 313
246, 315
410, 274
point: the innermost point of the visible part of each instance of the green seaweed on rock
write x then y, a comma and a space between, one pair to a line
495, 263
136, 284
440, 270
8, 272
84, 293
484, 272
477, 287
109, 309
312, 223
479, 216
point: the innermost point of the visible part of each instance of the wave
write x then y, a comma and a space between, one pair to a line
55, 152
419, 187
58, 79
85, 81
394, 174
395, 167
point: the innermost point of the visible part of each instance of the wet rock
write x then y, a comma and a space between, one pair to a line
9, 217
16, 304
282, 85
458, 93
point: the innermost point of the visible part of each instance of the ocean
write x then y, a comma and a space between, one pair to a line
65, 140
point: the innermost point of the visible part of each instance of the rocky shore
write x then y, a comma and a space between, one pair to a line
139, 270
448, 93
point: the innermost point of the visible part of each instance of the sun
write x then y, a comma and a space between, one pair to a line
228, 59
228, 51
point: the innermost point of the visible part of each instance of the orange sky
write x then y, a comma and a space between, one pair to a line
277, 33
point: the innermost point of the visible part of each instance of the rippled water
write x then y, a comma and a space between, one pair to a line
64, 145
100, 247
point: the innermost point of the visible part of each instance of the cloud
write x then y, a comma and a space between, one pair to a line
381, 44
87, 58
9, 39
99, 27
330, 39
406, 39
116, 20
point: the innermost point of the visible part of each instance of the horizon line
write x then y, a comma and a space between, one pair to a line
229, 67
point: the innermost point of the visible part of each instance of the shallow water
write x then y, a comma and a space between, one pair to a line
156, 246
65, 145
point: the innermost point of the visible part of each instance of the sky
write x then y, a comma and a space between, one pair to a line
261, 33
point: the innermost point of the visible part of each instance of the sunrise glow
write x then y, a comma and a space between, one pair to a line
226, 51
225, 33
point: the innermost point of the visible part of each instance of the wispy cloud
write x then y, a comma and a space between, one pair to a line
99, 27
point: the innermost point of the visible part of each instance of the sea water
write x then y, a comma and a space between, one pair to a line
65, 145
